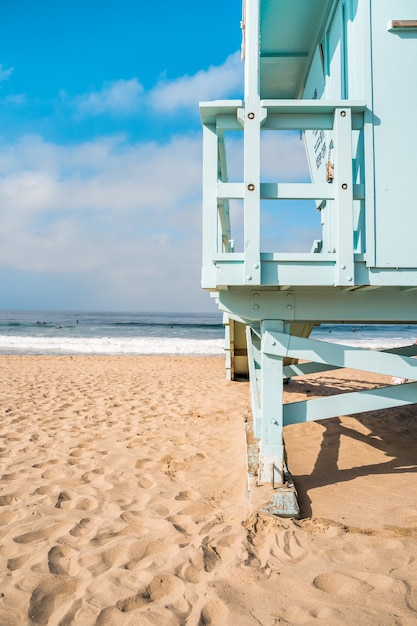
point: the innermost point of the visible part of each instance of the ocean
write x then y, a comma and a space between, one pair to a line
187, 334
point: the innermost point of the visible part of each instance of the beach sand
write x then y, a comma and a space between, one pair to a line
123, 501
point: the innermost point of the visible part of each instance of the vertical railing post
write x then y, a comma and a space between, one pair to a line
210, 212
251, 119
345, 269
253, 348
271, 445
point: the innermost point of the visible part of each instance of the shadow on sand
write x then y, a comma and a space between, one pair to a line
391, 431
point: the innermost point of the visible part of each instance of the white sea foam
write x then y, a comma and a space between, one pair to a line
110, 345
119, 345
370, 343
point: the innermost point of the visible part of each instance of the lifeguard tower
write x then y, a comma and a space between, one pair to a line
342, 73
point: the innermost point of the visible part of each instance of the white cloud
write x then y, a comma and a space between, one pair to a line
17, 99
123, 219
27, 190
106, 206
119, 97
185, 92
283, 157
5, 74
105, 175
125, 97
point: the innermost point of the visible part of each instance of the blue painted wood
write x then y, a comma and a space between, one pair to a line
339, 72
271, 453
350, 403
284, 344
349, 54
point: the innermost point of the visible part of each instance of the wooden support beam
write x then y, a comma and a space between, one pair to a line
350, 403
343, 356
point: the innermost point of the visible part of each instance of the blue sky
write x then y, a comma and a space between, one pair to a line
100, 149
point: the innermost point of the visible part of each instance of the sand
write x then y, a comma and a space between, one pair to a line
123, 501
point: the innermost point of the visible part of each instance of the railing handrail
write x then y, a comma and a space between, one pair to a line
342, 117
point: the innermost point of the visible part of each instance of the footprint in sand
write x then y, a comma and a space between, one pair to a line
298, 615
83, 527
133, 602
214, 612
69, 500
211, 556
155, 614
62, 560
44, 490
198, 511
183, 523
145, 482
327, 613
336, 583
135, 553
17, 562
190, 494
12, 476
85, 504
380, 581
287, 546
133, 519
51, 474
96, 476
79, 613
102, 560
45, 464
49, 595
411, 595
165, 588
271, 542
144, 463
192, 570
7, 517
145, 552
229, 545
8, 499
38, 535
78, 452
65, 499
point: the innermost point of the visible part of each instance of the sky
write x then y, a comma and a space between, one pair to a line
101, 150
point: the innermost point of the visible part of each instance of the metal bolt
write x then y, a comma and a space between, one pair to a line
251, 116
344, 186
256, 266
343, 113
248, 277
343, 266
251, 187
256, 307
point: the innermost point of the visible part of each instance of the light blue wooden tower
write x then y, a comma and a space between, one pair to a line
343, 73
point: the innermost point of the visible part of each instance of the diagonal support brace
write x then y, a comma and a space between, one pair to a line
281, 344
